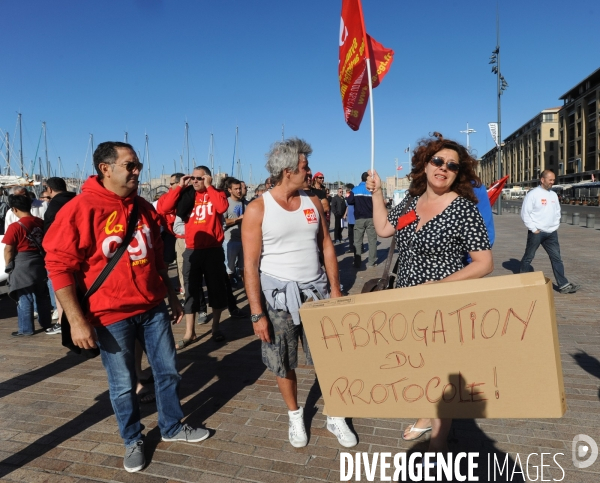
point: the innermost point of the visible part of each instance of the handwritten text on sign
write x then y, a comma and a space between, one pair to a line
462, 356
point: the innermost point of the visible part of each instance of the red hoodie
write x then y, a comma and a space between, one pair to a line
88, 230
204, 228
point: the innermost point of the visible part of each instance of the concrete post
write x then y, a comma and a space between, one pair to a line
563, 217
575, 219
590, 220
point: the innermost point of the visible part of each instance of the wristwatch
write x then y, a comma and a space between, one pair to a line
256, 317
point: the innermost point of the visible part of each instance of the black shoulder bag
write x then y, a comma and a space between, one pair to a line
64, 322
384, 282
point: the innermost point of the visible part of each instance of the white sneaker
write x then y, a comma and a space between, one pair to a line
55, 315
297, 431
342, 432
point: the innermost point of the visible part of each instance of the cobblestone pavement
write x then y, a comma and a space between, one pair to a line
57, 425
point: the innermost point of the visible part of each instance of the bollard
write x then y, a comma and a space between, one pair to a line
575, 219
563, 217
516, 209
589, 220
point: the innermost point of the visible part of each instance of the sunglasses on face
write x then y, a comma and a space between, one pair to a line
450, 165
132, 165
196, 178
319, 177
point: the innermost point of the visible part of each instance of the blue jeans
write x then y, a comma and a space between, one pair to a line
234, 257
27, 298
550, 243
117, 349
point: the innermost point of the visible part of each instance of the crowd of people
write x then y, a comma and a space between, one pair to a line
276, 246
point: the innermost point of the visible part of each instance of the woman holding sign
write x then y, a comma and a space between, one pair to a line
439, 226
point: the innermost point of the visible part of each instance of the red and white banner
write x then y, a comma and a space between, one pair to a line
352, 67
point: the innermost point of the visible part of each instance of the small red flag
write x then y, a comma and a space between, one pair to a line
399, 168
352, 67
495, 190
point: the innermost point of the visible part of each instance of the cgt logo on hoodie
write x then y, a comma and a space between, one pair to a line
137, 249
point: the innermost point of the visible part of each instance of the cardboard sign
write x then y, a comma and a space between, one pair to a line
484, 348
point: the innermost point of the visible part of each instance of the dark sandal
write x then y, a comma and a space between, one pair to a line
148, 398
218, 336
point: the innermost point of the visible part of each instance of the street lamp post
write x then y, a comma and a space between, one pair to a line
501, 87
467, 132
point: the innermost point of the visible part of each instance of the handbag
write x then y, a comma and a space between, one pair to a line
386, 280
67, 341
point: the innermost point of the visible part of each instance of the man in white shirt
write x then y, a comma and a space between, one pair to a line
541, 214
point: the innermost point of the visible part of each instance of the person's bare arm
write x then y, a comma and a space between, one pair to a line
482, 264
252, 245
328, 250
176, 310
82, 331
325, 205
9, 253
383, 227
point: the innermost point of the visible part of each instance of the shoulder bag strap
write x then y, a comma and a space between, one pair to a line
133, 218
31, 237
388, 262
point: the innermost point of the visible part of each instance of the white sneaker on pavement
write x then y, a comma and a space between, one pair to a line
339, 427
297, 431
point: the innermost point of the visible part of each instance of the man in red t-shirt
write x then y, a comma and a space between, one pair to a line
28, 279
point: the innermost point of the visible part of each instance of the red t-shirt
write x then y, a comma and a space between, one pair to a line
17, 235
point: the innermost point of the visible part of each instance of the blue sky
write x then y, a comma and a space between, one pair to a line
148, 66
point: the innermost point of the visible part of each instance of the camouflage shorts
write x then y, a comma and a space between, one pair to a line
281, 355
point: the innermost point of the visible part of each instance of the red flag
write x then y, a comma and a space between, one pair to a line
352, 67
495, 190
399, 168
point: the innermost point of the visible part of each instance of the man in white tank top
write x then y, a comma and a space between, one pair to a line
282, 235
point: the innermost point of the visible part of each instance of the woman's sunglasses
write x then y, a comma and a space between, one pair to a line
450, 165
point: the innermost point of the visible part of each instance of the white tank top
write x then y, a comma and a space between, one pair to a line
289, 249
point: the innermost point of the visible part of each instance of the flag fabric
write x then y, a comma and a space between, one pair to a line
399, 168
494, 131
495, 190
352, 67
407, 150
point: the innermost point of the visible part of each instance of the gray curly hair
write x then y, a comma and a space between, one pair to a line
284, 155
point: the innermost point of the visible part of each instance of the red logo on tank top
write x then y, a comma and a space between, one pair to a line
311, 216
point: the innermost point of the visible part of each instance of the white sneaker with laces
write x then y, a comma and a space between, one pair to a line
342, 432
55, 315
297, 431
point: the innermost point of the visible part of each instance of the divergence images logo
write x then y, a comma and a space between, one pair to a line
584, 447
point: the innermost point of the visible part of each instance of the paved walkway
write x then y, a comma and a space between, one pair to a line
56, 422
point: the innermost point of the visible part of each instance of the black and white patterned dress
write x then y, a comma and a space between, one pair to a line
437, 249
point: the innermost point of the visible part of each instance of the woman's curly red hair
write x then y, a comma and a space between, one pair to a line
426, 149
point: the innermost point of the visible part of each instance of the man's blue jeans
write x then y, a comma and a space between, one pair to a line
117, 349
550, 243
38, 295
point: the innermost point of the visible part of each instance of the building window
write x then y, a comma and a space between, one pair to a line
552, 132
548, 117
551, 146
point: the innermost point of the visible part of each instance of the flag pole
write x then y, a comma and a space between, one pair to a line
368, 61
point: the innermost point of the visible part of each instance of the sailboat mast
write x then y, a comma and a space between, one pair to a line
59, 167
46, 150
187, 145
21, 145
8, 153
234, 150
126, 137
148, 161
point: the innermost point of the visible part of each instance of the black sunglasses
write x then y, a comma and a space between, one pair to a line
131, 165
196, 178
450, 165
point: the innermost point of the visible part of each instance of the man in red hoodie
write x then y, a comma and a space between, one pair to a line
130, 303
